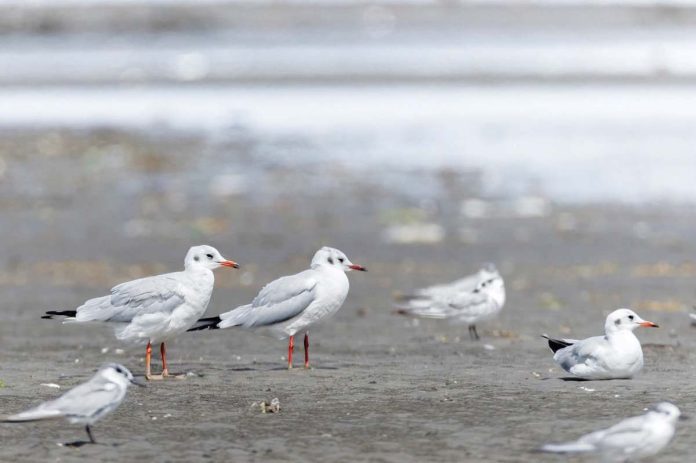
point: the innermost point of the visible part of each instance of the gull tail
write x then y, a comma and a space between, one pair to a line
570, 447
556, 344
210, 323
59, 313
34, 414
241, 316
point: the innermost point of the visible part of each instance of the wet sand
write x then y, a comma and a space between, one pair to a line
82, 211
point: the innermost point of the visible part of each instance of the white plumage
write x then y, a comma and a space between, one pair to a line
617, 354
291, 304
633, 438
155, 309
470, 300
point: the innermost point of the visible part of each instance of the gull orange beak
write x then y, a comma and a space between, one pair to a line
359, 268
229, 263
649, 325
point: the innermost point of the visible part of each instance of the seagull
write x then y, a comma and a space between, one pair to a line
87, 403
470, 300
633, 438
291, 304
616, 355
156, 308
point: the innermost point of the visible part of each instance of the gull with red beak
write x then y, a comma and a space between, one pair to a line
157, 308
616, 355
291, 304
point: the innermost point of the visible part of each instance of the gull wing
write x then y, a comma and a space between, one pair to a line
84, 400
278, 301
156, 294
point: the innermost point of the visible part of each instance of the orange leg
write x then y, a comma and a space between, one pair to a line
163, 352
148, 356
306, 350
291, 348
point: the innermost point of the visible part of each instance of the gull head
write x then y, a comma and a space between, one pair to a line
492, 284
666, 411
117, 373
331, 257
625, 319
207, 257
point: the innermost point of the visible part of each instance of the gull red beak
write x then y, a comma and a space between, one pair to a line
229, 263
360, 268
649, 325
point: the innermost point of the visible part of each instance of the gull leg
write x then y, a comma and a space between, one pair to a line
473, 334
148, 354
163, 353
148, 357
291, 347
306, 350
89, 433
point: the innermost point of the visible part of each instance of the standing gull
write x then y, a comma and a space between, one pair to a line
291, 304
157, 308
616, 355
470, 300
87, 403
631, 439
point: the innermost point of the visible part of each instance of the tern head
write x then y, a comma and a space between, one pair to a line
667, 411
331, 257
207, 257
118, 374
625, 319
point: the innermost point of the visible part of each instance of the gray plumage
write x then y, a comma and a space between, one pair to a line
86, 403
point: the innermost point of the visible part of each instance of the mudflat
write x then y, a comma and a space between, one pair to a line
96, 208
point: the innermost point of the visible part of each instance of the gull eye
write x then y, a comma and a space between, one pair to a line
630, 317
196, 258
209, 256
330, 259
341, 259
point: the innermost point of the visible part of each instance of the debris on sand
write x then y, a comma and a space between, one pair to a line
266, 407
53, 385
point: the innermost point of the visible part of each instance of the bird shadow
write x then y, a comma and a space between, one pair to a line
578, 380
280, 368
81, 443
77, 444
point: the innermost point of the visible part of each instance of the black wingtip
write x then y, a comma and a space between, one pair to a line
209, 323
59, 313
556, 344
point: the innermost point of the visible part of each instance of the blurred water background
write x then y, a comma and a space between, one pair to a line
575, 101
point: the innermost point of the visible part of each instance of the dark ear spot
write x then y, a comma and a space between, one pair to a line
617, 322
330, 260
196, 258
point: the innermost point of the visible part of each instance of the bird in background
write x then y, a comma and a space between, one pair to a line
290, 305
631, 439
155, 309
616, 355
86, 403
470, 300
